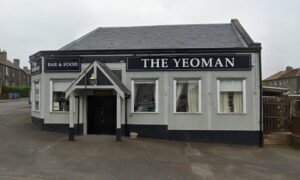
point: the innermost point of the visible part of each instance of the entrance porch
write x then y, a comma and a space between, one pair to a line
101, 100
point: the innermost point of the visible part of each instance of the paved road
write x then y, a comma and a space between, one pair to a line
26, 152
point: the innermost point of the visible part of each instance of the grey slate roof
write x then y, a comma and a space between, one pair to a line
159, 37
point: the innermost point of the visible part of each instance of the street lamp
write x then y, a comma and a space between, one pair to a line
93, 79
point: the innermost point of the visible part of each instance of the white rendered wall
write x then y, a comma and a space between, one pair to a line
209, 119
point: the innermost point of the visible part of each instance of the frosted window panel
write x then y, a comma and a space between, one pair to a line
61, 86
231, 85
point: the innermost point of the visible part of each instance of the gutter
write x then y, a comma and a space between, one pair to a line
133, 52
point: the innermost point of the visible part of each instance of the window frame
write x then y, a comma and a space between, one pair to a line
51, 91
6, 71
33, 96
156, 95
244, 92
199, 95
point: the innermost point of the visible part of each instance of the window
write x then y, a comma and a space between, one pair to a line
145, 96
6, 69
36, 96
57, 94
187, 96
231, 96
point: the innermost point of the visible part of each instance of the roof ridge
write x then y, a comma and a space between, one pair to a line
161, 25
283, 74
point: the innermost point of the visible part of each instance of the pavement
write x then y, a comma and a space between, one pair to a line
26, 152
13, 100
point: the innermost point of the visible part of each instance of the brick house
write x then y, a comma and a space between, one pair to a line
290, 79
10, 72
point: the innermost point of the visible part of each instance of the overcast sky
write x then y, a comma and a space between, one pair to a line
28, 26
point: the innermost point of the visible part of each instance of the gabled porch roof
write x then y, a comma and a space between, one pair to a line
105, 79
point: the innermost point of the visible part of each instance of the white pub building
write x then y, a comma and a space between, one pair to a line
179, 82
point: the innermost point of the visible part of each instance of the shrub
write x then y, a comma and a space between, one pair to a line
22, 90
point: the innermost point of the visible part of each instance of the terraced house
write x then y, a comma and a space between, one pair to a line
10, 72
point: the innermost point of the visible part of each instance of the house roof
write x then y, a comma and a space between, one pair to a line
275, 76
163, 37
10, 64
291, 73
284, 74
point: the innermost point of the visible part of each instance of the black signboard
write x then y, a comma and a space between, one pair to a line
35, 67
190, 63
62, 65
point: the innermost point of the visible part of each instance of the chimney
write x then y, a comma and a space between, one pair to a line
3, 56
288, 68
17, 62
25, 68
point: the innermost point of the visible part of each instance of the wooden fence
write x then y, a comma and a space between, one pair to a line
276, 114
295, 118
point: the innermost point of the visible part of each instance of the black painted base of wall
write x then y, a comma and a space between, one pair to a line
61, 128
162, 132
71, 134
210, 136
38, 122
118, 134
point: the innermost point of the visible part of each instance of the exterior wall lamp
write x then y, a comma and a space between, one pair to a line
93, 79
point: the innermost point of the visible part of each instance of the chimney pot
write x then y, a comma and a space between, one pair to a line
288, 68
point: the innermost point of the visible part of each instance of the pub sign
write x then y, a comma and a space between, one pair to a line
190, 63
62, 65
35, 67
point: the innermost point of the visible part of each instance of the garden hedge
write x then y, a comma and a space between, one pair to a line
22, 90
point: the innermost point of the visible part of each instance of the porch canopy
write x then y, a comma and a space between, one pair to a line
103, 79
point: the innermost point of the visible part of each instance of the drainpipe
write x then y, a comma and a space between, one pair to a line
71, 118
78, 114
126, 128
261, 133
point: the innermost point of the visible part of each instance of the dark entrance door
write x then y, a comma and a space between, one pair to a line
101, 114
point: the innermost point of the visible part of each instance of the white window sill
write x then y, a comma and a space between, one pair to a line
144, 112
37, 111
232, 113
196, 113
59, 112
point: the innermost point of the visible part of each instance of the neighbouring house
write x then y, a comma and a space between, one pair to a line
10, 72
290, 79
